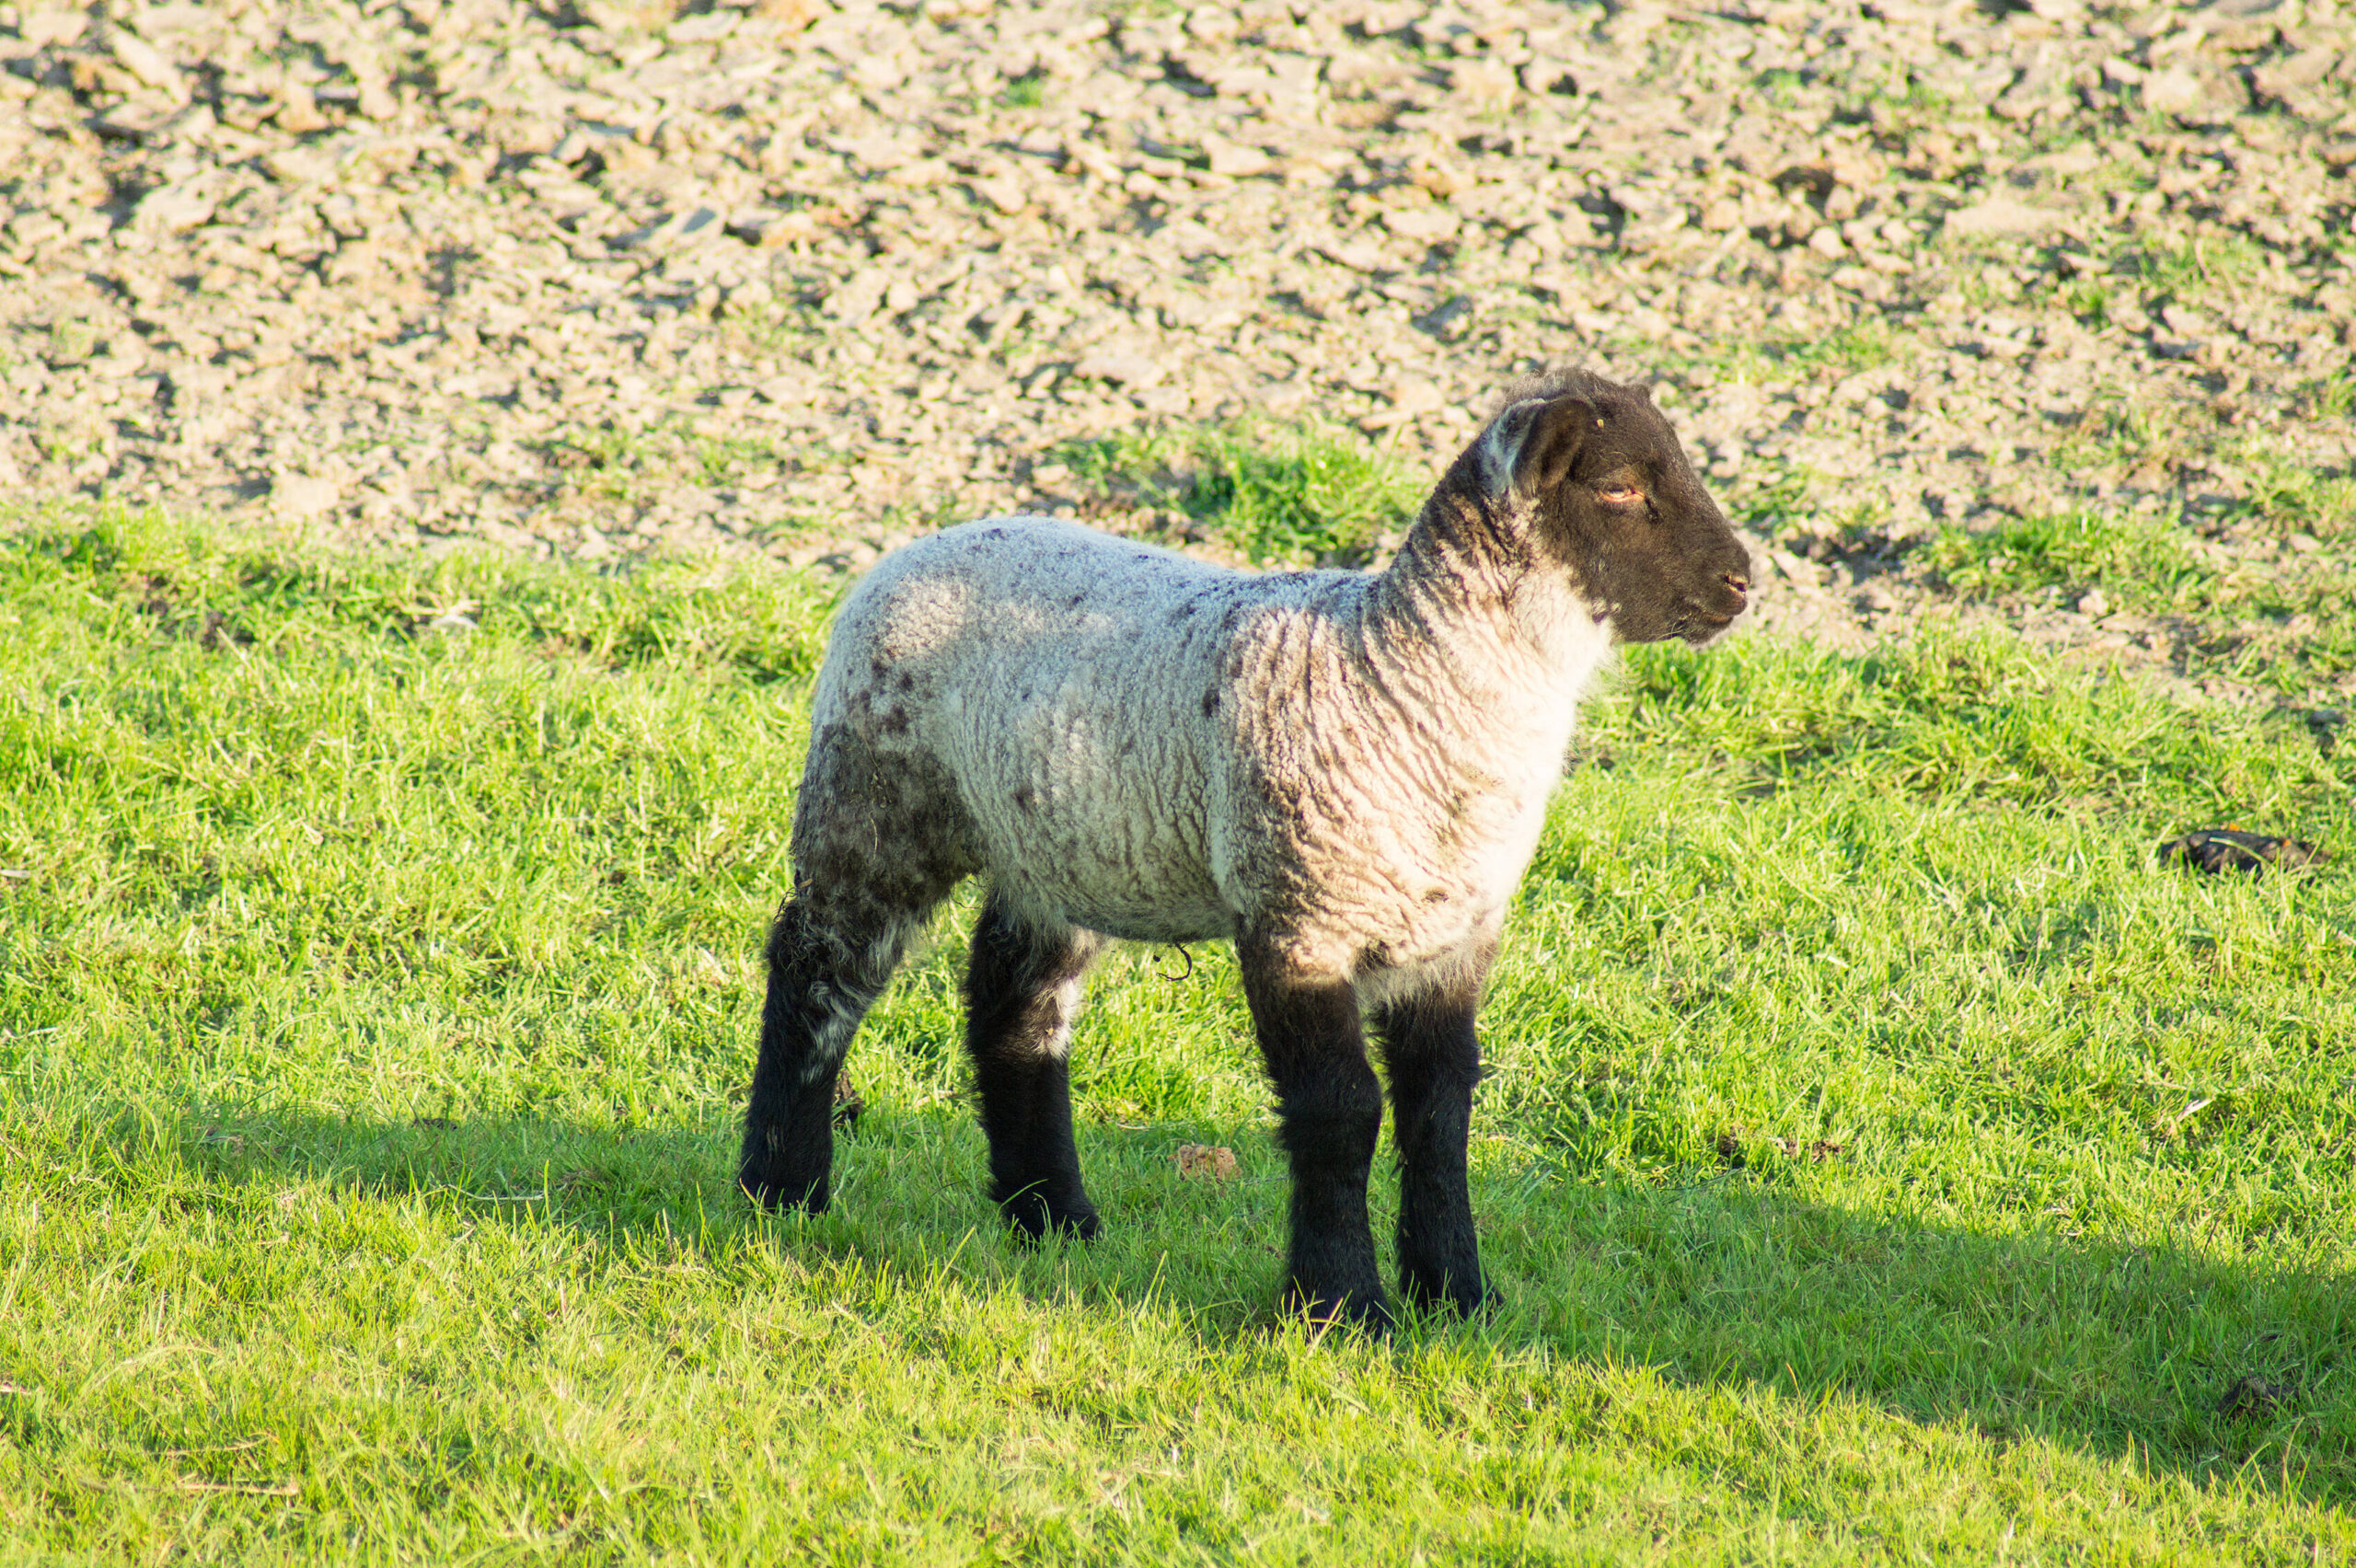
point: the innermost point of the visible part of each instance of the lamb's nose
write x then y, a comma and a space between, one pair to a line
1735, 581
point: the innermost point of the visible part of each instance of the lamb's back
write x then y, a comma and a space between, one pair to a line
1064, 680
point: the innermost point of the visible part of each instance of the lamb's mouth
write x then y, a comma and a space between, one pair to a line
1701, 628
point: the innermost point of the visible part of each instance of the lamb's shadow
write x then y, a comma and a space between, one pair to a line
2198, 1367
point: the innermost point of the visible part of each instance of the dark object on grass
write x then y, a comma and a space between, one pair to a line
848, 1103
2231, 849
2253, 1397
215, 631
1342, 772
2329, 725
1731, 1149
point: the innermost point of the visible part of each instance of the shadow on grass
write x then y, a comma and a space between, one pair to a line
2204, 1370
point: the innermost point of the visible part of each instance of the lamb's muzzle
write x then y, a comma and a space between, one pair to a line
1342, 772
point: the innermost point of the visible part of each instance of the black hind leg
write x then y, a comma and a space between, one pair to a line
1022, 990
824, 975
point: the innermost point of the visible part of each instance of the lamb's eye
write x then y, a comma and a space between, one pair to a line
1619, 494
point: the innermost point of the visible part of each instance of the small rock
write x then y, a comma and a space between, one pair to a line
298, 111
1481, 83
1004, 193
2184, 322
171, 208
1408, 400
304, 496
2001, 215
376, 100
858, 299
1233, 159
2094, 604
1427, 223
144, 60
1133, 371
452, 623
42, 28
298, 165
1359, 255
2173, 91
710, 27
2303, 69
1191, 239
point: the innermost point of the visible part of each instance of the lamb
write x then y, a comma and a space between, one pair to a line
1344, 772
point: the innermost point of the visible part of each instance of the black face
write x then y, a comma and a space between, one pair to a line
1622, 508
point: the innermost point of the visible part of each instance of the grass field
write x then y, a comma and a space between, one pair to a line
1882, 1159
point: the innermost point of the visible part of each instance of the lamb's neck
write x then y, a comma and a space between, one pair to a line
1468, 619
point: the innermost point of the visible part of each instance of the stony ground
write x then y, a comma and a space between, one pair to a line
594, 280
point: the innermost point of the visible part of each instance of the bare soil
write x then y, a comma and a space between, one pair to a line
594, 280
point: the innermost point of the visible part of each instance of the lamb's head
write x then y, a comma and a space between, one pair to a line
1592, 476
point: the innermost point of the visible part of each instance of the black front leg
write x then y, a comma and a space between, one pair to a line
1330, 1108
1433, 1059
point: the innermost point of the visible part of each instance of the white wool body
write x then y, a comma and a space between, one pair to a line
1134, 742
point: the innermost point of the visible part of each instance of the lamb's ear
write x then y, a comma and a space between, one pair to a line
1534, 444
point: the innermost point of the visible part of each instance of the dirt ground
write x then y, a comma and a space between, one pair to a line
594, 280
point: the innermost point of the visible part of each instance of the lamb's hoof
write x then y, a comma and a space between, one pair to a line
1466, 1295
782, 1194
1364, 1310
1034, 1218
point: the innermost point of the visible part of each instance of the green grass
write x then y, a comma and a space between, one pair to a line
2201, 265
2204, 268
1026, 91
2290, 496
2329, 397
1280, 495
2148, 565
70, 341
1783, 87
1882, 1160
2088, 299
609, 465
1862, 345
2136, 561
